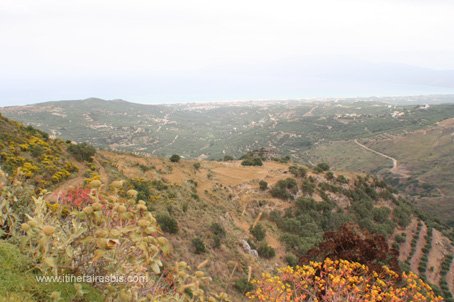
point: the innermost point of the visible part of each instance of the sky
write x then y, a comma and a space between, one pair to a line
155, 51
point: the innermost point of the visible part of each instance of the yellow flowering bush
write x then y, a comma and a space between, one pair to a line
30, 155
340, 280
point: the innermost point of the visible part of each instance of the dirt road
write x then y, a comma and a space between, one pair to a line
394, 168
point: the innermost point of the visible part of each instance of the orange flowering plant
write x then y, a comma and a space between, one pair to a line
340, 280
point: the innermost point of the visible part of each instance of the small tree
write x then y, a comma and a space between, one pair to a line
175, 158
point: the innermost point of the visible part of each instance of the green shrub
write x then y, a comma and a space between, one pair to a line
252, 162
285, 189
321, 167
291, 260
144, 168
217, 242
402, 214
175, 158
243, 286
308, 187
381, 214
297, 171
284, 159
342, 179
82, 152
263, 185
142, 188
400, 238
228, 158
266, 251
37, 150
258, 232
306, 204
199, 246
218, 230
329, 175
196, 166
167, 223
159, 185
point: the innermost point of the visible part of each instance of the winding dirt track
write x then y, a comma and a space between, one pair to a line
394, 168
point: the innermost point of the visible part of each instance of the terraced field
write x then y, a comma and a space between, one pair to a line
436, 251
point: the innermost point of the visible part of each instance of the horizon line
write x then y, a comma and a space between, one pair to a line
330, 98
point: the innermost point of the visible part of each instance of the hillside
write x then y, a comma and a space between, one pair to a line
229, 193
424, 161
245, 220
28, 154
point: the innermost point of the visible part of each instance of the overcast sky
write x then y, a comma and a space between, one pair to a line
169, 51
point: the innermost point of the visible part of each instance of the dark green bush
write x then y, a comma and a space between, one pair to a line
218, 230
217, 242
381, 214
199, 246
243, 286
175, 158
82, 152
263, 185
167, 223
252, 162
142, 187
329, 175
159, 185
291, 260
36, 150
342, 179
402, 214
285, 189
308, 187
196, 166
321, 167
258, 232
297, 171
400, 238
266, 251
